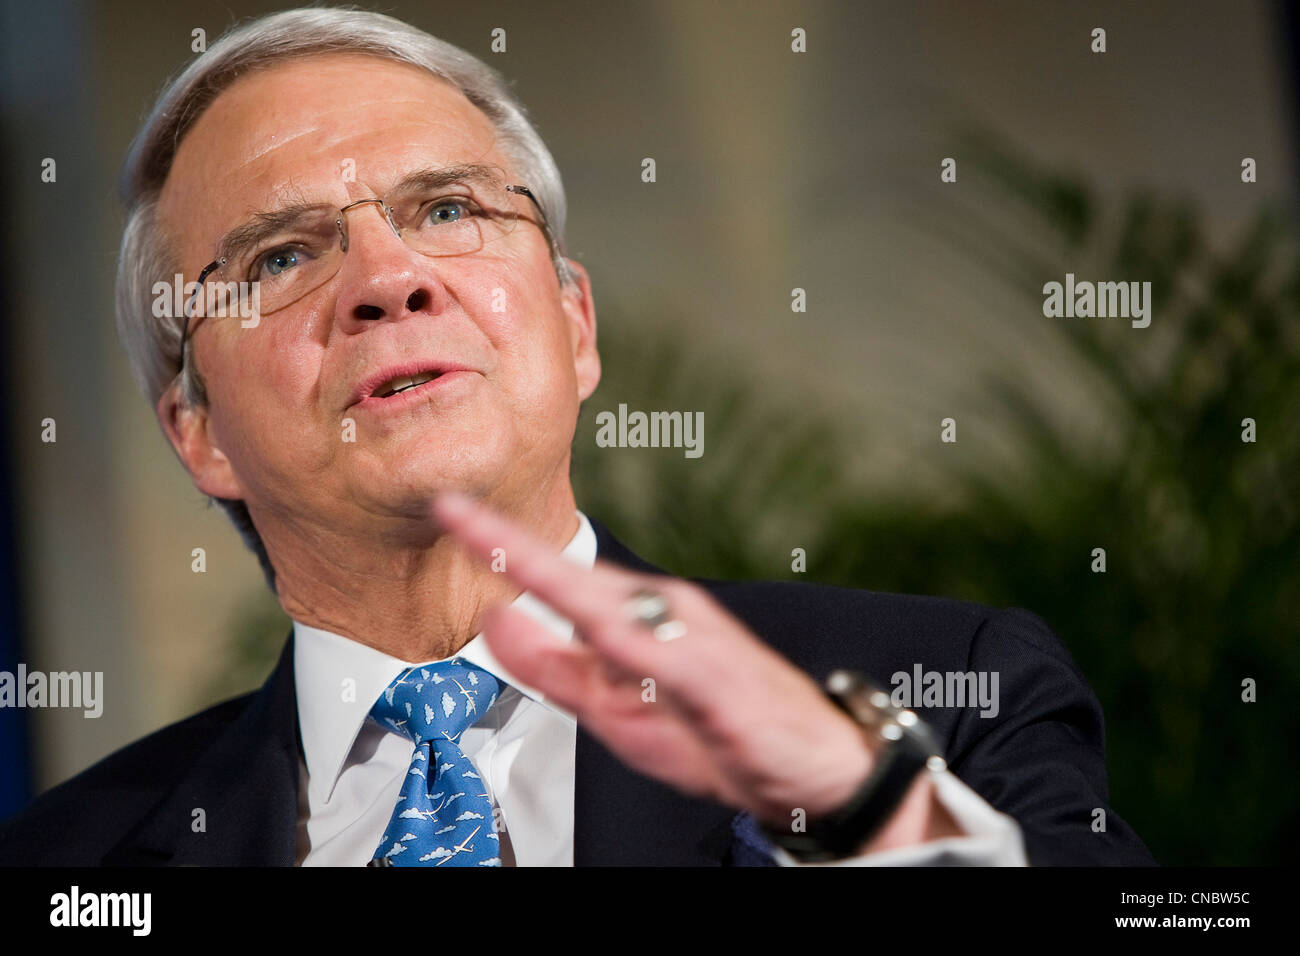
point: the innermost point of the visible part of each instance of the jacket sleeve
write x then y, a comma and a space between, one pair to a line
1041, 758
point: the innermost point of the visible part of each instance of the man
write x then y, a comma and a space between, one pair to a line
478, 673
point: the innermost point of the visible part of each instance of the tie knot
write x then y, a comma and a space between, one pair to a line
433, 701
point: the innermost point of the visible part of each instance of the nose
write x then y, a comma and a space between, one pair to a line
380, 277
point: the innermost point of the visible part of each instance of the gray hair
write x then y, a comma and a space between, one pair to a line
147, 255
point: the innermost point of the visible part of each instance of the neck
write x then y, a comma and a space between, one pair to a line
416, 596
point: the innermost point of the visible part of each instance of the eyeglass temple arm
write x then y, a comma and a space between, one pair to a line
546, 223
210, 268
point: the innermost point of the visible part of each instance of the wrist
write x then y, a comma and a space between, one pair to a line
920, 818
852, 767
895, 745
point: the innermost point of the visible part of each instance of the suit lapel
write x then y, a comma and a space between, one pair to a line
246, 785
625, 818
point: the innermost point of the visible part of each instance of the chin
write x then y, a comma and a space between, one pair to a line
411, 476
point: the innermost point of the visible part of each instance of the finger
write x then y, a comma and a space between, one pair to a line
594, 600
625, 713
568, 674
713, 653
580, 595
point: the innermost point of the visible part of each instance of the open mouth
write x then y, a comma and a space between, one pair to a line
403, 383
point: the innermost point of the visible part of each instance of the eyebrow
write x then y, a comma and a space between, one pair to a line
263, 225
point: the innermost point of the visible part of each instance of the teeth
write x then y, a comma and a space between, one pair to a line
404, 382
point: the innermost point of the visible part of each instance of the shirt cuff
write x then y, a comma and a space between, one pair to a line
992, 838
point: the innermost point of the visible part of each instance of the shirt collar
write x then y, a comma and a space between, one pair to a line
338, 679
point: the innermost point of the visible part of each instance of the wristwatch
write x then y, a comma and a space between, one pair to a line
904, 747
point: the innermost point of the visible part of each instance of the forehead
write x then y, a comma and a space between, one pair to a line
299, 125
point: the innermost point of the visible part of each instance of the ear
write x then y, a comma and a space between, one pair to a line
186, 427
581, 310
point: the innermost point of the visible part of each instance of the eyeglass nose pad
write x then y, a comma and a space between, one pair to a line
388, 217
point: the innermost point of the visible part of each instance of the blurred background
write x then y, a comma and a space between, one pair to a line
775, 170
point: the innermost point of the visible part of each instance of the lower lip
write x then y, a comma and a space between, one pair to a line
413, 396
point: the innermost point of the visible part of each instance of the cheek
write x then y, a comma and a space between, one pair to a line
283, 369
267, 379
522, 316
536, 366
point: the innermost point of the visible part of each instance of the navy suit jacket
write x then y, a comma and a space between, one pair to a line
1039, 760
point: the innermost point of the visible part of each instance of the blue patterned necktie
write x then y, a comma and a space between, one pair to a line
443, 816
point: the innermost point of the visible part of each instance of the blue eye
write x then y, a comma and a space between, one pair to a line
448, 210
280, 261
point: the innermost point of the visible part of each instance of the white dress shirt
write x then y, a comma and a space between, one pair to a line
525, 750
